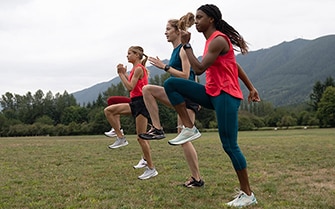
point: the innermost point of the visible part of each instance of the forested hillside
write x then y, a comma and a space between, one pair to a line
285, 74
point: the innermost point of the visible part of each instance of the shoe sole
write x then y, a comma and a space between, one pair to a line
111, 136
240, 206
194, 137
191, 186
114, 147
151, 138
137, 167
148, 177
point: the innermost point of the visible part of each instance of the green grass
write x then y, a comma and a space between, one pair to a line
287, 169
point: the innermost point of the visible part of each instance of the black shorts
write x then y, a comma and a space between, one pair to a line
192, 105
138, 107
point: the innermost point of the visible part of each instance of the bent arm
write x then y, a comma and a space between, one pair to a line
253, 93
131, 84
217, 46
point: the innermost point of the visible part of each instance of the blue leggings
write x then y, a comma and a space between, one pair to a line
226, 109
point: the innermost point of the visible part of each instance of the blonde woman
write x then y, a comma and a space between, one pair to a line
180, 67
134, 82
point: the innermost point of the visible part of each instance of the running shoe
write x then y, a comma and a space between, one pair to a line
186, 135
120, 142
153, 134
148, 173
242, 200
141, 164
112, 133
194, 183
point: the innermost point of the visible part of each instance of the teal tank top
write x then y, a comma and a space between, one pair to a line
175, 62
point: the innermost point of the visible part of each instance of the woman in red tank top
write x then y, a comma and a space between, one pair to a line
221, 92
134, 82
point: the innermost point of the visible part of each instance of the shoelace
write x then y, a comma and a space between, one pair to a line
238, 193
152, 128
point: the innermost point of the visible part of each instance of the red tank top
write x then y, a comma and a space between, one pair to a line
222, 75
137, 90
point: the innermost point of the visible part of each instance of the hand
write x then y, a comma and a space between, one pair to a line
156, 62
253, 96
185, 36
121, 69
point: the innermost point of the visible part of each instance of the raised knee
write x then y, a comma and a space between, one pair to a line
108, 110
146, 89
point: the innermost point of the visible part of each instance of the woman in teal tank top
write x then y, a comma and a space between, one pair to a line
180, 67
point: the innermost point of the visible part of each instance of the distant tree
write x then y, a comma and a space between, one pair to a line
62, 101
76, 114
274, 117
7, 101
100, 102
115, 90
318, 90
156, 80
315, 97
261, 108
245, 123
286, 121
326, 110
329, 82
98, 121
205, 116
307, 118
44, 120
3, 124
159, 80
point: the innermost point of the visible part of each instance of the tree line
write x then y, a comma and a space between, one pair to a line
58, 115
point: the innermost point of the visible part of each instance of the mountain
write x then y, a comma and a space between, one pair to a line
283, 74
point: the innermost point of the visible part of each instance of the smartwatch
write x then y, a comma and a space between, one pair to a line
166, 68
187, 46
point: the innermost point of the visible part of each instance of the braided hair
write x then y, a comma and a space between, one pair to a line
221, 25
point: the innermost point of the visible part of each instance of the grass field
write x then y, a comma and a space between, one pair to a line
287, 169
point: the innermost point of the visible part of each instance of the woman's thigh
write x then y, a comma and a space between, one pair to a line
120, 109
158, 92
179, 88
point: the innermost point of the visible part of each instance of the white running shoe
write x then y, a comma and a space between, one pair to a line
112, 133
242, 200
141, 164
148, 173
120, 142
186, 135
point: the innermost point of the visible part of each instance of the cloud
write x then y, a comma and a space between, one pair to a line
74, 44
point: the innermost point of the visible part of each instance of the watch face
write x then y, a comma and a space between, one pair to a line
187, 46
167, 67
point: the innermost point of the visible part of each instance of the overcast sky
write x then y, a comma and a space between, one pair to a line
58, 45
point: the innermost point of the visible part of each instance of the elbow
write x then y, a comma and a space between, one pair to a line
130, 88
199, 72
185, 76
